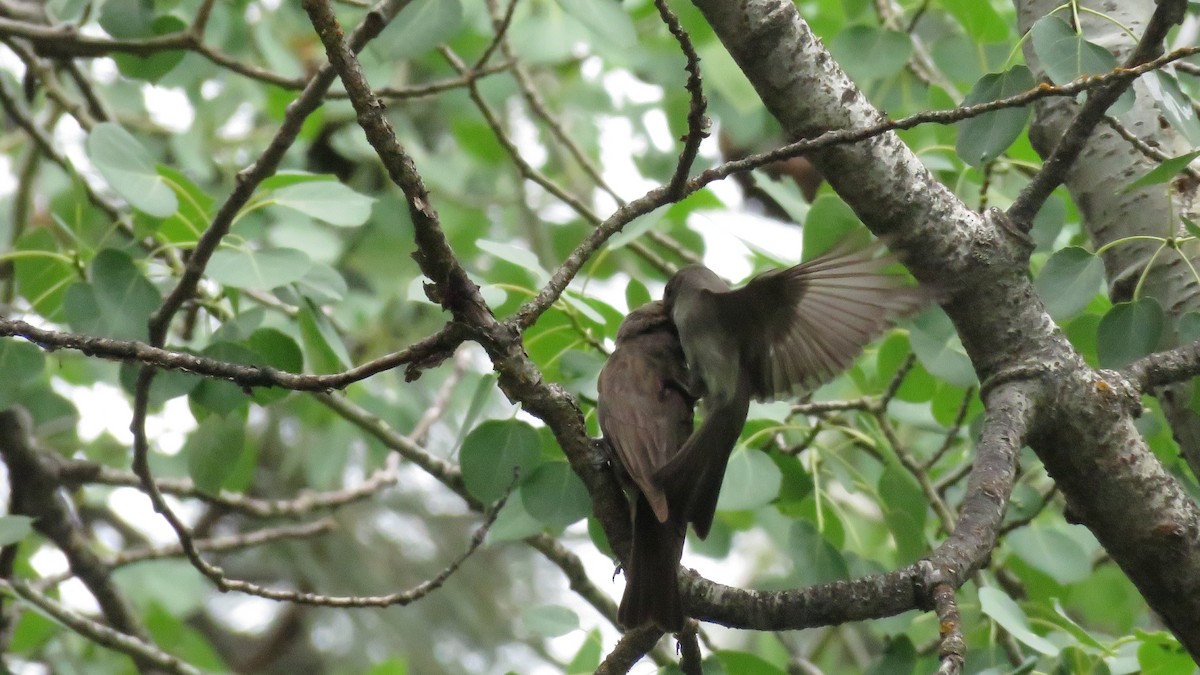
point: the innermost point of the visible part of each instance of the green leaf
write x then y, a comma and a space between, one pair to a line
870, 52
513, 523
277, 348
751, 480
1073, 659
219, 396
393, 666
837, 222
936, 344
634, 229
323, 346
191, 218
580, 304
171, 584
1165, 171
554, 495
521, 256
258, 270
985, 137
1052, 552
1008, 614
587, 659
905, 509
1080, 633
816, 560
746, 663
1064, 54
918, 386
1129, 331
1174, 104
153, 67
484, 390
899, 658
118, 301
33, 630
291, 177
979, 19
421, 26
322, 284
241, 326
785, 193
127, 18
42, 275
328, 201
66, 10
636, 294
579, 371
20, 361
1161, 654
1188, 327
727, 79
550, 620
14, 529
490, 453
212, 450
167, 384
129, 169
606, 19
1048, 222
172, 633
1069, 281
1191, 226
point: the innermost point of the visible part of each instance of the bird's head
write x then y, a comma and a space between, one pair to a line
691, 279
650, 316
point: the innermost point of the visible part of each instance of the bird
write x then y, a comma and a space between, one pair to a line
646, 413
785, 331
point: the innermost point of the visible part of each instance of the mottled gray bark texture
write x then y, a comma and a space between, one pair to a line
1082, 420
1097, 181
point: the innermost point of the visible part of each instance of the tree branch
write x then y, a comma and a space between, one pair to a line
140, 650
418, 356
36, 494
1157, 370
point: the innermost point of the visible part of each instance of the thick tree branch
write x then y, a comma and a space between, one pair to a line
1157, 370
1115, 486
1010, 411
1054, 170
629, 650
981, 267
952, 646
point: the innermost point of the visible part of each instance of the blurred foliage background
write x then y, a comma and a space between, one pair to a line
114, 161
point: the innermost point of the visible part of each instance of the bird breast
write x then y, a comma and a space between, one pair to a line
710, 348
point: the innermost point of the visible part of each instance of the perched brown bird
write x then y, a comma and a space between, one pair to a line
645, 413
786, 330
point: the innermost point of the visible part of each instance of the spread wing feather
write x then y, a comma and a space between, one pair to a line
815, 317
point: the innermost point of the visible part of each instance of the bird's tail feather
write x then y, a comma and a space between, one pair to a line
652, 585
692, 479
